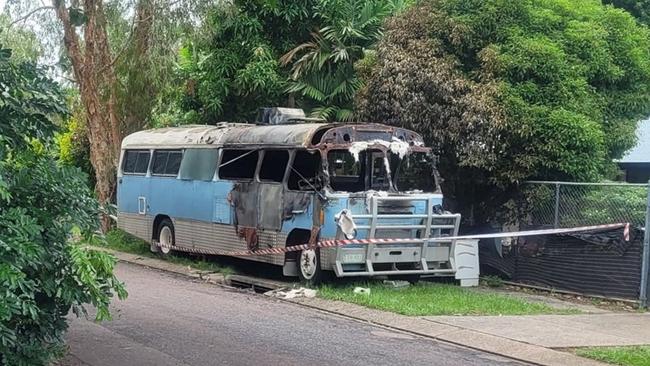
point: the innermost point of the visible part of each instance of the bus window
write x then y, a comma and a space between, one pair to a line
345, 172
166, 162
238, 164
198, 164
304, 171
274, 165
379, 179
136, 162
348, 174
414, 172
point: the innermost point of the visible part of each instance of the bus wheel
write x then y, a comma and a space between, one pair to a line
309, 269
166, 236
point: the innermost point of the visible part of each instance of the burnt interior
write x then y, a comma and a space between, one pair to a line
272, 184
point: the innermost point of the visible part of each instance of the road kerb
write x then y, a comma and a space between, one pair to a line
450, 334
210, 277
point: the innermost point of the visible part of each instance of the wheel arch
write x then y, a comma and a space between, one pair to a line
156, 223
296, 237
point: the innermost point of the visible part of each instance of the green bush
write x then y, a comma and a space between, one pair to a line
42, 274
583, 205
509, 91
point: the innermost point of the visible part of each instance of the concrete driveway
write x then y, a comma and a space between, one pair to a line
172, 320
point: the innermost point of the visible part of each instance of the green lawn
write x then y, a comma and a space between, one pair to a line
436, 299
626, 356
124, 242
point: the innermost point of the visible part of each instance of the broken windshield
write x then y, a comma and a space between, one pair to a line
414, 172
368, 170
360, 172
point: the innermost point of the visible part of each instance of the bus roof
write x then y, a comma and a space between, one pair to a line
286, 135
223, 134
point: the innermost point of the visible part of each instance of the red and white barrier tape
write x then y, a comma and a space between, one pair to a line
344, 242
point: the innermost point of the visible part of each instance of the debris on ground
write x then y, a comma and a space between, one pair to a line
284, 293
398, 284
361, 290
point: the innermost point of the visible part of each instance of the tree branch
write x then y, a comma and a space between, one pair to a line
24, 17
127, 44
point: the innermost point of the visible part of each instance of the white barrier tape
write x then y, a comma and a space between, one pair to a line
343, 242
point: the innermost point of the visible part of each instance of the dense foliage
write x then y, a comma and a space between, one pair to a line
251, 54
639, 8
42, 274
322, 69
508, 91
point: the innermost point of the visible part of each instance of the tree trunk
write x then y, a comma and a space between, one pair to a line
93, 68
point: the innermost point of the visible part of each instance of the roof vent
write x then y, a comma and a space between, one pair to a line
279, 116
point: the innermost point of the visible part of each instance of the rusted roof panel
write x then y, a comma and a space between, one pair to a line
288, 135
223, 134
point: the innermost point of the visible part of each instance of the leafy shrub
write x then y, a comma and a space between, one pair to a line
42, 274
507, 91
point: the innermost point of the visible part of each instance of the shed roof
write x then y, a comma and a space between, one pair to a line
224, 134
641, 152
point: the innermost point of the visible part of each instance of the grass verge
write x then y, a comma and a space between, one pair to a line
122, 241
427, 298
625, 356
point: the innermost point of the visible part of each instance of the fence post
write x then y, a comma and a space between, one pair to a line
556, 217
645, 264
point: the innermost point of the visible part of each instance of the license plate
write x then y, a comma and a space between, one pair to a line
353, 258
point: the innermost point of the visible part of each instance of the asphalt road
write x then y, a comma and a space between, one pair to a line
171, 320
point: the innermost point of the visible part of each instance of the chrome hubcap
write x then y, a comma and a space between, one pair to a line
308, 263
166, 240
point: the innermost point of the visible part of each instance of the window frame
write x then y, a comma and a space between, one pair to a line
138, 151
285, 176
292, 157
216, 166
221, 154
152, 160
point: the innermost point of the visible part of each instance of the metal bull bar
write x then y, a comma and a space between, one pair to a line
423, 255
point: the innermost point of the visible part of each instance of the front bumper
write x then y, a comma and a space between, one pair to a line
431, 254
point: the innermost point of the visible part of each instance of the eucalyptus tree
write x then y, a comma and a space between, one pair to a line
118, 53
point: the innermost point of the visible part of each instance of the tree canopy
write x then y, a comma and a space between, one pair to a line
292, 53
639, 8
508, 91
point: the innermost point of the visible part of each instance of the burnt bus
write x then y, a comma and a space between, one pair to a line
287, 181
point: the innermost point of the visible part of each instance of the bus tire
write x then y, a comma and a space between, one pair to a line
166, 237
309, 268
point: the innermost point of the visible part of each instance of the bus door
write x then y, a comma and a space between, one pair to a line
133, 189
271, 189
237, 167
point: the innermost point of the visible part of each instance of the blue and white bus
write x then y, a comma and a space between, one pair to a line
290, 181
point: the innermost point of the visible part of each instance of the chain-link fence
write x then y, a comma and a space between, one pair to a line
602, 262
563, 204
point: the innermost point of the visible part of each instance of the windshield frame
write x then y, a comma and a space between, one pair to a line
386, 152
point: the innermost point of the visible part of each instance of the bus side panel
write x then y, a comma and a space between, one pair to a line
181, 199
203, 216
